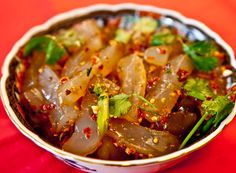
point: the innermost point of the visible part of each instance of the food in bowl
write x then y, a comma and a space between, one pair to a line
123, 87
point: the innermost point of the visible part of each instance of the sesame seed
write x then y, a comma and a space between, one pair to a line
76, 107
163, 99
95, 109
178, 92
127, 150
140, 120
82, 63
154, 118
130, 150
172, 94
112, 42
152, 100
155, 140
152, 68
64, 80
140, 53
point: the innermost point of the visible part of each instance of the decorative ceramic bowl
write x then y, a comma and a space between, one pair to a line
190, 28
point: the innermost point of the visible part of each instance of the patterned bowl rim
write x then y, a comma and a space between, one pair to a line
112, 8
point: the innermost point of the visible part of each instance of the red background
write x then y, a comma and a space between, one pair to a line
18, 154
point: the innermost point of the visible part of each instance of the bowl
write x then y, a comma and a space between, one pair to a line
192, 29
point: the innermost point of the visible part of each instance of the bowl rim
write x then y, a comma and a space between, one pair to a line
78, 12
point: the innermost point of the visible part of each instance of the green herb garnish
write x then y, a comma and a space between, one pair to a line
218, 107
49, 45
122, 35
163, 39
103, 112
108, 108
145, 101
198, 88
145, 25
201, 54
98, 89
147, 110
119, 105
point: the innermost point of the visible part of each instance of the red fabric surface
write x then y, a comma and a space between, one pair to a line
18, 154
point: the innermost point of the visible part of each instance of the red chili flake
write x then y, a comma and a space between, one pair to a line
150, 14
26, 63
20, 81
214, 85
150, 58
64, 80
95, 59
20, 110
94, 117
79, 102
100, 67
174, 31
20, 53
163, 119
233, 91
139, 47
63, 60
47, 107
141, 114
219, 55
232, 97
86, 49
213, 74
161, 50
152, 81
203, 75
229, 67
233, 88
183, 75
68, 92
87, 132
33, 107
114, 22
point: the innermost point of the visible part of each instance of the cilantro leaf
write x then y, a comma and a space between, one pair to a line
103, 112
119, 105
203, 48
145, 25
108, 108
122, 35
49, 45
98, 89
218, 106
163, 39
198, 88
201, 55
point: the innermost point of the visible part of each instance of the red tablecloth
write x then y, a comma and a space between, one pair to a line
18, 154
